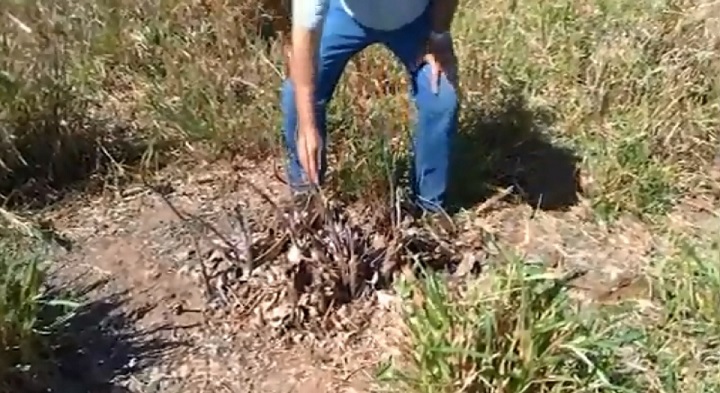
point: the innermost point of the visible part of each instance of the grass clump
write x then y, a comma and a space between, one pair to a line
631, 86
53, 131
684, 337
519, 330
28, 313
95, 90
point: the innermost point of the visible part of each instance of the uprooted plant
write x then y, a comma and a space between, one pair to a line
298, 267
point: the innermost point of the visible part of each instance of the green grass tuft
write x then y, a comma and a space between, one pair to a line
518, 330
29, 314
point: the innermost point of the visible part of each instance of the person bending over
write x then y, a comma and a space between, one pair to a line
325, 35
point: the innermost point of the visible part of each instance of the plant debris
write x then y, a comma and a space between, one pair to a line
301, 267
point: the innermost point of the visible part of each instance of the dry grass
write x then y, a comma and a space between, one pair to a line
629, 88
615, 101
96, 87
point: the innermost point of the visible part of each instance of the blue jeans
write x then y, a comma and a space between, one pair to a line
436, 125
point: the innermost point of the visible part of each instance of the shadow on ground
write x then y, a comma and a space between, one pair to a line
97, 347
50, 157
54, 140
509, 146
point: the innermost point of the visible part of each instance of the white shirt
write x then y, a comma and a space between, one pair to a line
375, 14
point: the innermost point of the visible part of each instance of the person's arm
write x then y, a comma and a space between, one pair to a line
307, 20
443, 12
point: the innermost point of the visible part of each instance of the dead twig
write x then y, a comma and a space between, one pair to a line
269, 200
203, 268
246, 239
494, 199
199, 222
191, 217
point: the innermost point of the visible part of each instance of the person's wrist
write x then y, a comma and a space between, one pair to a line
304, 126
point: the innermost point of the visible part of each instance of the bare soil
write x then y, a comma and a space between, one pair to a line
149, 328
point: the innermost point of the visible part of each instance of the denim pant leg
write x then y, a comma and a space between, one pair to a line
437, 120
342, 37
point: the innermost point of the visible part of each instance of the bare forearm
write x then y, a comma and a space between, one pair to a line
308, 17
443, 13
302, 71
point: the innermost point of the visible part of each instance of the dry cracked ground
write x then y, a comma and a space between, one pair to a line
149, 328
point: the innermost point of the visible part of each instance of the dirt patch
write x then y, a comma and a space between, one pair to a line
574, 238
137, 244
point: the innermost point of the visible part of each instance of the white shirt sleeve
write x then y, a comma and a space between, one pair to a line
309, 14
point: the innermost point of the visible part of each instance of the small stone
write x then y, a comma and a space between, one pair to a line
294, 255
385, 299
379, 242
178, 308
153, 274
183, 371
184, 255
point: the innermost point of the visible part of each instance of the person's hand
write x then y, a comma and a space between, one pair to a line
442, 60
308, 147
